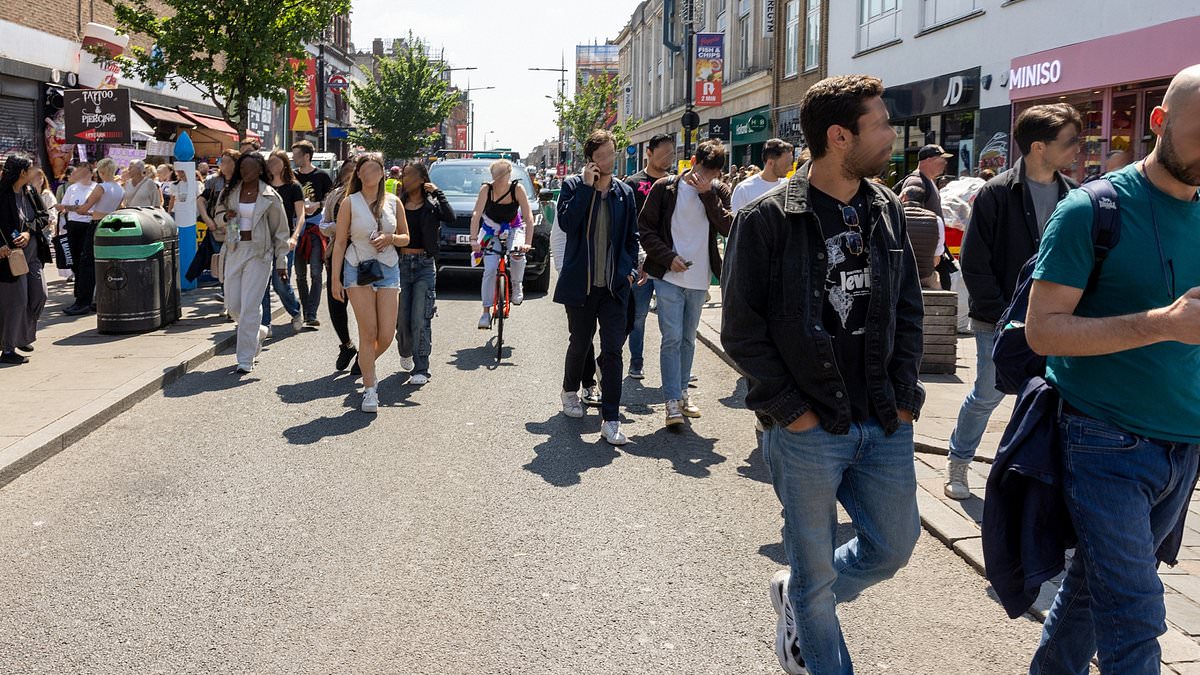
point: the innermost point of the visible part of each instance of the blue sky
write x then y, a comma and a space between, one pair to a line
502, 40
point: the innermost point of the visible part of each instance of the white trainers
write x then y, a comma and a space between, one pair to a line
485, 321
572, 407
958, 485
591, 396
418, 380
674, 413
518, 295
370, 402
688, 408
787, 638
298, 322
611, 431
264, 332
407, 364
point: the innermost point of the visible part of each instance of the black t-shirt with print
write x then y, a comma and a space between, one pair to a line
641, 182
316, 185
847, 294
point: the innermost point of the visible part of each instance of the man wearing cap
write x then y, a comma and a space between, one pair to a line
931, 163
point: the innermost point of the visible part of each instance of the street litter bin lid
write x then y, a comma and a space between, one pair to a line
134, 233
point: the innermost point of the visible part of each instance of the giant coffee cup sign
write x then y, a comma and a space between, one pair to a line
97, 115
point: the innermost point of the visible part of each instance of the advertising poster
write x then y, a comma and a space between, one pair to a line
301, 101
710, 67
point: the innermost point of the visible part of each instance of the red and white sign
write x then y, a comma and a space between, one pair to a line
302, 101
710, 68
460, 137
338, 81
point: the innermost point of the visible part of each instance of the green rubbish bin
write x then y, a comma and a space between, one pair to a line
137, 271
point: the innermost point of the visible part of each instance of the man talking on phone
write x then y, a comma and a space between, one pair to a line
678, 227
599, 215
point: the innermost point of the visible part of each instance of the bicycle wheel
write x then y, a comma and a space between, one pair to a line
501, 310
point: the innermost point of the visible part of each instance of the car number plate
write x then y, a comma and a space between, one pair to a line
462, 239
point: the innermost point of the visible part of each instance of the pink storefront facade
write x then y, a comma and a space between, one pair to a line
1114, 82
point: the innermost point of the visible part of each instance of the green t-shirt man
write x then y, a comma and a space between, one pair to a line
1153, 390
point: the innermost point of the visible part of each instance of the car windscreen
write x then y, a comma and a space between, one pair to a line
458, 180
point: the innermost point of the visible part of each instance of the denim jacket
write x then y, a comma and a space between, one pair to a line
773, 292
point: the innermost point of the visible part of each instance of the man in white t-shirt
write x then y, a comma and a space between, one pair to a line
679, 225
778, 156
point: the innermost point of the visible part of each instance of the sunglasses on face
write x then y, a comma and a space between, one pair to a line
854, 240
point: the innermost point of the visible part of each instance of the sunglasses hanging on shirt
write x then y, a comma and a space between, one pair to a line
854, 240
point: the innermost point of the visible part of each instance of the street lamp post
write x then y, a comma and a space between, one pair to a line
562, 94
471, 112
485, 135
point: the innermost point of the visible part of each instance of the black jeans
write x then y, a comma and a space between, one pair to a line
339, 313
81, 237
610, 313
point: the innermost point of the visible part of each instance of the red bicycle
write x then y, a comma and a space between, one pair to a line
502, 302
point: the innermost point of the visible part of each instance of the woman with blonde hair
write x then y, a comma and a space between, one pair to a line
366, 266
105, 198
501, 218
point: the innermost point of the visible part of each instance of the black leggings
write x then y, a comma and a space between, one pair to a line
339, 314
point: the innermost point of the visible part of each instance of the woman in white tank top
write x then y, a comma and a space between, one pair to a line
370, 226
107, 196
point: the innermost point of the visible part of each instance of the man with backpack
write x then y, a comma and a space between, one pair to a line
1124, 356
1007, 222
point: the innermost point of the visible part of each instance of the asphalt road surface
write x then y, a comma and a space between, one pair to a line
263, 524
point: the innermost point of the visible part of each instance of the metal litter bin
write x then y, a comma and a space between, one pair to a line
137, 271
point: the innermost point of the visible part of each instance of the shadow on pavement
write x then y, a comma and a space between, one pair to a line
564, 456
395, 392
324, 427
755, 467
483, 356
200, 382
737, 398
689, 453
332, 385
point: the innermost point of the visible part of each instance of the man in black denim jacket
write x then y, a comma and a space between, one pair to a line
823, 313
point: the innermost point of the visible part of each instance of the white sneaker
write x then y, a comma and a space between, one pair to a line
418, 380
787, 638
370, 402
298, 322
591, 396
572, 407
958, 485
485, 321
611, 431
244, 370
674, 413
406, 363
688, 408
264, 332
518, 295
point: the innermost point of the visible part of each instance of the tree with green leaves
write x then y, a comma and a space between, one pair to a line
231, 50
399, 112
594, 106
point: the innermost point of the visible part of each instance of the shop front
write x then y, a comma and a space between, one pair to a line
1111, 82
787, 127
942, 110
750, 131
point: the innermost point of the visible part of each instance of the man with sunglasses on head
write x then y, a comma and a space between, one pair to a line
1007, 222
823, 313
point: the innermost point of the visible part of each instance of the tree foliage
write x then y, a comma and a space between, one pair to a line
231, 50
594, 106
399, 114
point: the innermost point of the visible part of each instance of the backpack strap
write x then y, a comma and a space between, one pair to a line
1106, 223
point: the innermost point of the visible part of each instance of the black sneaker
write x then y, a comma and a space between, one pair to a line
13, 358
345, 355
76, 310
28, 349
355, 370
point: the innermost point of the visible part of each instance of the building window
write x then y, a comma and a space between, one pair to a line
935, 12
878, 22
744, 7
744, 44
812, 36
791, 56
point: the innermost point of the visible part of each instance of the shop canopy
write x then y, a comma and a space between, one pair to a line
216, 124
139, 129
157, 113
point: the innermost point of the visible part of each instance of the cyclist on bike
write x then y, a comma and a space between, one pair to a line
497, 218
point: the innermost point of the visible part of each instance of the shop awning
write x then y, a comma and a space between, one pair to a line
216, 124
157, 113
140, 130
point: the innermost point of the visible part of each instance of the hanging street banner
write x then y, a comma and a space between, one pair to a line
97, 115
710, 68
301, 101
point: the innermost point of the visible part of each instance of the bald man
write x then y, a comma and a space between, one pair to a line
1125, 357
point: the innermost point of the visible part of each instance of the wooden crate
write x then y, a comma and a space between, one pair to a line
941, 332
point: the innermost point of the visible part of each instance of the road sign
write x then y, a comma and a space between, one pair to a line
97, 115
338, 81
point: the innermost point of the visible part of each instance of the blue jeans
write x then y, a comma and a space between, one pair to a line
414, 324
309, 272
979, 404
1124, 494
284, 290
640, 296
871, 474
678, 317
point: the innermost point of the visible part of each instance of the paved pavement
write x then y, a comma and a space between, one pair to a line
263, 524
957, 524
78, 379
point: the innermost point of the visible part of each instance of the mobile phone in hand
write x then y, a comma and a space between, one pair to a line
688, 263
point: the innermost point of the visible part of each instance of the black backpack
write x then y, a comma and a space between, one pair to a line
1015, 362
